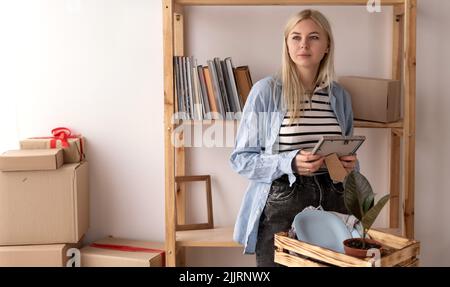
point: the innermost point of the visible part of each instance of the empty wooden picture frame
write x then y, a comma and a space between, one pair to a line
207, 180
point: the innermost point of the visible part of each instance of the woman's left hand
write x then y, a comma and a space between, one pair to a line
349, 162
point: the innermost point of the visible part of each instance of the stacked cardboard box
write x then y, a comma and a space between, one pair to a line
117, 252
73, 152
44, 207
49, 255
44, 210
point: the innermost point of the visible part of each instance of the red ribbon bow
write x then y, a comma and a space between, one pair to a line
127, 248
61, 134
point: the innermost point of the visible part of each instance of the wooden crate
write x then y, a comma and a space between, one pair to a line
397, 251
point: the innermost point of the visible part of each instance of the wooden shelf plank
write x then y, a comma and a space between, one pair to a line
205, 123
366, 124
216, 237
284, 2
358, 124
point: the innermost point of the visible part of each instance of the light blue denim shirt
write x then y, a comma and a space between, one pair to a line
255, 154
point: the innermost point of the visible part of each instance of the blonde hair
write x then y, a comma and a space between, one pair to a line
293, 90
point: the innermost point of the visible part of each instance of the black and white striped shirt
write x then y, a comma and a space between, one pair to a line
317, 120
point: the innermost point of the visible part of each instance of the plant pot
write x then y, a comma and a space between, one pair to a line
353, 247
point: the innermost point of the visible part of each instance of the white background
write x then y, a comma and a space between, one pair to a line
96, 67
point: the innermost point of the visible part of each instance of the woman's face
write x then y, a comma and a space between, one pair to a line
307, 44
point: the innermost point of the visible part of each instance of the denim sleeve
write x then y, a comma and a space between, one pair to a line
248, 158
348, 111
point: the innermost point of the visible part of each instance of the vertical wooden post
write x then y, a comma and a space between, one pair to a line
179, 151
398, 38
180, 160
170, 243
397, 63
394, 201
409, 129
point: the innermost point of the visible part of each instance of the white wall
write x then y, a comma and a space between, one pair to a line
96, 66
433, 132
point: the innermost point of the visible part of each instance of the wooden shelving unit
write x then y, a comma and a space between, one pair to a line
402, 133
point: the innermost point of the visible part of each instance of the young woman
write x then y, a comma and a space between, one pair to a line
283, 118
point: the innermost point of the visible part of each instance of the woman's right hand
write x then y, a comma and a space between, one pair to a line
306, 163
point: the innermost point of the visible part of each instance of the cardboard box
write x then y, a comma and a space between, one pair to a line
50, 255
373, 99
43, 159
74, 153
44, 207
115, 252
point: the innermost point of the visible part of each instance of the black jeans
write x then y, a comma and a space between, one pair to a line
285, 202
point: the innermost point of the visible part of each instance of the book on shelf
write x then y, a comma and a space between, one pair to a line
180, 88
232, 85
222, 87
192, 91
198, 100
204, 93
210, 88
187, 88
178, 105
226, 80
215, 82
243, 81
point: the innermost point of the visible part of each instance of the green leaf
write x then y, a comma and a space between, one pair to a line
363, 186
368, 203
352, 198
371, 215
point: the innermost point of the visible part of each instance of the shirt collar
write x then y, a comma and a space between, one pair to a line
320, 86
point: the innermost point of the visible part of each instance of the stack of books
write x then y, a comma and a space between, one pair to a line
215, 91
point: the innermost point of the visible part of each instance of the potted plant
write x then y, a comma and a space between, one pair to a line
360, 202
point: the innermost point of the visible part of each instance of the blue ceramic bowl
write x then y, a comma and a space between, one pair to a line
321, 228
